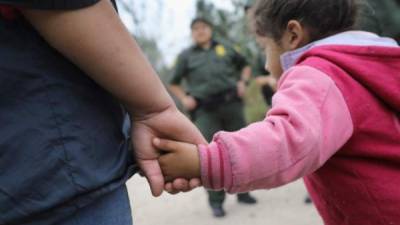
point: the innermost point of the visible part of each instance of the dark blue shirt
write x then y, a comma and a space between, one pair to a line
61, 139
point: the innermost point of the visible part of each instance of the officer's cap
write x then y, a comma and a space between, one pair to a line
200, 20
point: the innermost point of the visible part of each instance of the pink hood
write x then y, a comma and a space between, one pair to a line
375, 67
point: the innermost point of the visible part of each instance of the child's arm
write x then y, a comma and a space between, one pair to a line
95, 39
308, 123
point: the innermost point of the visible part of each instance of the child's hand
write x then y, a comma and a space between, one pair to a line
180, 160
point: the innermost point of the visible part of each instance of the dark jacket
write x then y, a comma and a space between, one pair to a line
61, 139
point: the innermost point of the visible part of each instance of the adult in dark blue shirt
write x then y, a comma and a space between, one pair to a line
65, 69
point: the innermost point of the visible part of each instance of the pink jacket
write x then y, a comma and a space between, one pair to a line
313, 123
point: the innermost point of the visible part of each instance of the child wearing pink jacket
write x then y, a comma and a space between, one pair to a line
334, 121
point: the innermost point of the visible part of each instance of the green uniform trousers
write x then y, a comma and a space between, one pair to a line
227, 117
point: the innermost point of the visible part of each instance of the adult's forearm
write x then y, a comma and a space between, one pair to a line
95, 39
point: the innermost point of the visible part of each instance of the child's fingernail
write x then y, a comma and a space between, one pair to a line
156, 141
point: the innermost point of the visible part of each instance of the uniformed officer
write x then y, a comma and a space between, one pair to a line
216, 76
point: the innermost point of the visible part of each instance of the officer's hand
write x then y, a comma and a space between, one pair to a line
262, 80
169, 124
189, 103
267, 80
241, 89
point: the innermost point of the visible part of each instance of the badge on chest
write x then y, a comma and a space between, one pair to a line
220, 50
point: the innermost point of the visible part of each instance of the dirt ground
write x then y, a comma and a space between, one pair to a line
283, 206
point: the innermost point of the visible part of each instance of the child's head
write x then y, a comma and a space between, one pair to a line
285, 25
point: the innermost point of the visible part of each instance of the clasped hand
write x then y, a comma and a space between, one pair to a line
179, 161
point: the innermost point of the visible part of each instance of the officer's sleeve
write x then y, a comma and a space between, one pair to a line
50, 4
238, 59
180, 70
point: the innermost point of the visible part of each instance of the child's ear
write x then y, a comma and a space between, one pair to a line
296, 35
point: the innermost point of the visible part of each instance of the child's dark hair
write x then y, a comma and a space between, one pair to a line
321, 17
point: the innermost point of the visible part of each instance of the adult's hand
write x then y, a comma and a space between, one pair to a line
262, 80
189, 103
267, 80
169, 124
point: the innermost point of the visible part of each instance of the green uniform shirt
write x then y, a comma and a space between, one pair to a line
208, 71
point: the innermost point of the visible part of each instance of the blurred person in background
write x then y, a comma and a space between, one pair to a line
216, 77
